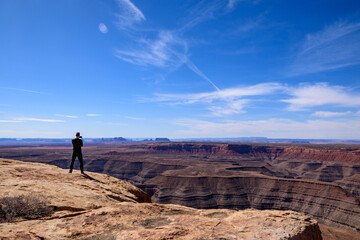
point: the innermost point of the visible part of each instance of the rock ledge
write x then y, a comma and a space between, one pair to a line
98, 206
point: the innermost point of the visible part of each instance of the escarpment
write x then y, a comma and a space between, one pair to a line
269, 152
97, 206
326, 202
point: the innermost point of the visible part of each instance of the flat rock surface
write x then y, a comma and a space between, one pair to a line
101, 207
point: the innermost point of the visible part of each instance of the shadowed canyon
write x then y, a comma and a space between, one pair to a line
322, 181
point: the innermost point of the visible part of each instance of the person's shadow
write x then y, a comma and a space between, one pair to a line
91, 178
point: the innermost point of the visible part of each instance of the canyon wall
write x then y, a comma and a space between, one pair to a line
269, 152
322, 181
328, 203
97, 206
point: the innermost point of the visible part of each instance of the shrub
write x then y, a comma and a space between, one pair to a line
24, 206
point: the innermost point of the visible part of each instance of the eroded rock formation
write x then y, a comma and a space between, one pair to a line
101, 207
320, 180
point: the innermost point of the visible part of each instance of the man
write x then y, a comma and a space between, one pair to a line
77, 144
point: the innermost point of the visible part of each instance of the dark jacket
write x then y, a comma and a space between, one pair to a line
77, 144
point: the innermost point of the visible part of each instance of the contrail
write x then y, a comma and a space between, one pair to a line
201, 74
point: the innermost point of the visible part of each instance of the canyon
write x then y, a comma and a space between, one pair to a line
96, 206
322, 181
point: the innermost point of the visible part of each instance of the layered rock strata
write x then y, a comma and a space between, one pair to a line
96, 206
269, 152
326, 202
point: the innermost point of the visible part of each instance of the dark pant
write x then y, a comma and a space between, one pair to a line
79, 156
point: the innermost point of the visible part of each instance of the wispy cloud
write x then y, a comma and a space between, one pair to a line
232, 3
39, 120
330, 114
276, 128
320, 94
129, 14
166, 51
93, 115
332, 48
228, 93
299, 98
135, 118
201, 12
67, 116
116, 123
22, 90
10, 121
222, 102
229, 107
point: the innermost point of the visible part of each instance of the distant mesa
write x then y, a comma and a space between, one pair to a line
120, 139
162, 140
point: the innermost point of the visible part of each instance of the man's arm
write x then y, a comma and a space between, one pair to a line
81, 142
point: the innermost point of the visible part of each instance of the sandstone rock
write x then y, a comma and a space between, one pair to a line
102, 207
322, 181
264, 151
68, 192
327, 202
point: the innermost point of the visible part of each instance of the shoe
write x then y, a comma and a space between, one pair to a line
70, 171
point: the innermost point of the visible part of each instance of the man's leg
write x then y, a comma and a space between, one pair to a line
81, 162
72, 162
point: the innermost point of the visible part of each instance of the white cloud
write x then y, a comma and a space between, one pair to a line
67, 116
202, 11
23, 90
103, 28
225, 94
222, 102
135, 118
39, 120
332, 48
166, 51
234, 100
129, 14
274, 128
330, 114
231, 107
10, 121
321, 94
93, 115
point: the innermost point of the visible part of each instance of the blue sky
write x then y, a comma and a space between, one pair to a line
177, 69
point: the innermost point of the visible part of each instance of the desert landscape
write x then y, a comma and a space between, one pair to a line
99, 207
321, 181
180, 120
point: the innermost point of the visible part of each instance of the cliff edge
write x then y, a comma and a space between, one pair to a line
97, 206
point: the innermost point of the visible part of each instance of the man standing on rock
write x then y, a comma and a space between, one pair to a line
77, 144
